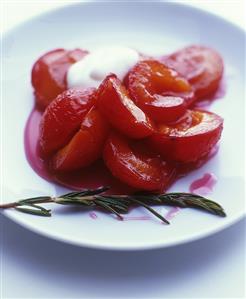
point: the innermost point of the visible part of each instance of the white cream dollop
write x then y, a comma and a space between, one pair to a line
94, 67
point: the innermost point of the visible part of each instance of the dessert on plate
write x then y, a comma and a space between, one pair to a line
132, 117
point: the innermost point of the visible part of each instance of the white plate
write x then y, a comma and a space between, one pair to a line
155, 28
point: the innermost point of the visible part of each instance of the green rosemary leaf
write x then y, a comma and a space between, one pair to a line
121, 205
38, 207
35, 199
149, 198
73, 201
213, 209
213, 203
37, 212
198, 204
108, 208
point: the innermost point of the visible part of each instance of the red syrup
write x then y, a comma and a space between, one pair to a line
173, 212
204, 186
93, 215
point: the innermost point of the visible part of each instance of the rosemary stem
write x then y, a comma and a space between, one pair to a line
9, 205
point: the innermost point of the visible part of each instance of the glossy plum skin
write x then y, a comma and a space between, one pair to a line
114, 103
63, 118
86, 145
141, 170
201, 66
155, 88
49, 74
190, 138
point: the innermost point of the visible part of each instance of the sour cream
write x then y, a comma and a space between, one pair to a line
94, 67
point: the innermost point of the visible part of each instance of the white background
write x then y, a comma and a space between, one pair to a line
35, 267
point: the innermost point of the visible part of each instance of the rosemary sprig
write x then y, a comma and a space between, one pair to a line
117, 204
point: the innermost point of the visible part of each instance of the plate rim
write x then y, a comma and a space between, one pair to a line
140, 247
94, 2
